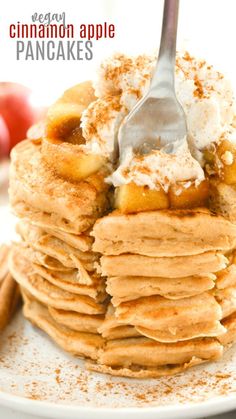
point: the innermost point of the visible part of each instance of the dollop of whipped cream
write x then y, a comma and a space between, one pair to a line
158, 169
100, 124
207, 99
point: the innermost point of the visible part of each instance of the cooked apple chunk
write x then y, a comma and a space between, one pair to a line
193, 196
70, 161
63, 118
226, 152
82, 94
133, 198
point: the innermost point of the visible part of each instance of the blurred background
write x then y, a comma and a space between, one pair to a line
206, 29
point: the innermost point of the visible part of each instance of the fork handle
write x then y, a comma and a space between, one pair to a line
165, 68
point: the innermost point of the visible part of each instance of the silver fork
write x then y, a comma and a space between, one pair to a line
158, 120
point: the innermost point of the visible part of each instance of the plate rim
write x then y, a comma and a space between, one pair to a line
215, 405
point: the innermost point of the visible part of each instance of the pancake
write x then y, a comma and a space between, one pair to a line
40, 258
120, 332
53, 265
230, 324
227, 300
125, 288
148, 353
227, 277
35, 184
77, 321
77, 343
47, 293
68, 281
51, 220
164, 233
159, 313
144, 372
82, 242
56, 248
112, 329
198, 330
171, 267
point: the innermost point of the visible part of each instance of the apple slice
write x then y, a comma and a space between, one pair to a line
70, 161
133, 198
194, 196
81, 93
36, 132
63, 118
228, 171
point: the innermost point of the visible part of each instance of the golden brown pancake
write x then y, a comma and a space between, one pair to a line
125, 288
144, 372
52, 265
77, 321
164, 233
227, 277
78, 343
120, 332
230, 324
82, 242
227, 300
33, 183
47, 293
148, 353
51, 220
68, 281
159, 313
56, 248
171, 267
111, 328
198, 330
40, 258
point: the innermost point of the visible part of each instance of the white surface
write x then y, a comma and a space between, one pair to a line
37, 377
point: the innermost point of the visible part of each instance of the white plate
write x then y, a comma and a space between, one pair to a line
37, 377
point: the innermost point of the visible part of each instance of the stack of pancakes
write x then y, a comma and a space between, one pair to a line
172, 279
54, 262
142, 295
154, 294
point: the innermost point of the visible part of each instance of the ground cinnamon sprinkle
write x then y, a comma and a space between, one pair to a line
135, 92
221, 375
100, 114
60, 378
112, 73
187, 56
198, 92
145, 170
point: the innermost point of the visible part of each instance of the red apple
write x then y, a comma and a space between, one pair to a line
16, 110
4, 139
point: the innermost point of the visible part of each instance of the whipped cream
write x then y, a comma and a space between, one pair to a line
207, 99
100, 124
158, 169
